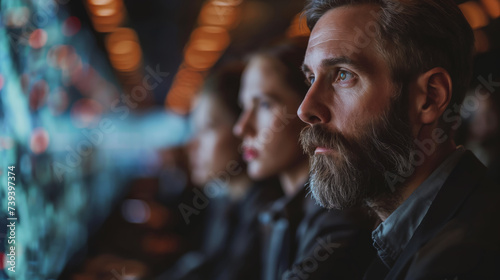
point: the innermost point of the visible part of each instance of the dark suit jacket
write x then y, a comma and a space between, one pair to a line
305, 241
459, 237
230, 241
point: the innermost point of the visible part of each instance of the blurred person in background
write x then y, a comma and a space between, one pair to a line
226, 193
301, 239
483, 137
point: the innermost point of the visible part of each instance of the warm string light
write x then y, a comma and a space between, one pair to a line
204, 48
106, 15
475, 14
478, 15
122, 44
124, 50
492, 7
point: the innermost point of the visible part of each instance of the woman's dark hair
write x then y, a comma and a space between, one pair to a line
290, 53
223, 84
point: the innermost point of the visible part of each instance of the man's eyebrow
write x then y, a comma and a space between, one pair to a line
330, 62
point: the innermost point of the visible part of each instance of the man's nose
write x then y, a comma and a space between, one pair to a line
314, 108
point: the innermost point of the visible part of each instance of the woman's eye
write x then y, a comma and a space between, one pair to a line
344, 76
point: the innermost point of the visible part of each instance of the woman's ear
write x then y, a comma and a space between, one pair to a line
432, 96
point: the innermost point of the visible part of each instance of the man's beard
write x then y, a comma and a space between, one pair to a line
360, 170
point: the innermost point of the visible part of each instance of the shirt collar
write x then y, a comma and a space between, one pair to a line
392, 235
285, 207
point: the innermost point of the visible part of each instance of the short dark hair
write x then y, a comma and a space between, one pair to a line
416, 36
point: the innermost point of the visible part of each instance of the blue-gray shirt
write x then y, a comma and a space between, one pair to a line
392, 236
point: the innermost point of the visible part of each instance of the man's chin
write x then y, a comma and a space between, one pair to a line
333, 196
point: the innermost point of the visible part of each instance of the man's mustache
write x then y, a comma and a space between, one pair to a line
315, 136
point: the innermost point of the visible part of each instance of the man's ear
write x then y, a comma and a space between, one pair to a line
434, 89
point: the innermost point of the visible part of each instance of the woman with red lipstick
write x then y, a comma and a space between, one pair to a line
231, 201
300, 239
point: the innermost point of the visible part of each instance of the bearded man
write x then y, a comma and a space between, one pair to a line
386, 81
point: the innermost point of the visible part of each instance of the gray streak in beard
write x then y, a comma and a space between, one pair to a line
355, 174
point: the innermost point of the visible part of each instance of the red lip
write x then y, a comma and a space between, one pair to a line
323, 150
250, 153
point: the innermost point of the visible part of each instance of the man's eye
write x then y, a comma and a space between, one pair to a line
310, 80
344, 76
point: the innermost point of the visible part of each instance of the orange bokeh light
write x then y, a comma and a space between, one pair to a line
200, 60
124, 50
107, 24
474, 14
227, 2
179, 101
106, 15
206, 45
100, 2
492, 7
97, 7
219, 15
188, 76
121, 34
209, 38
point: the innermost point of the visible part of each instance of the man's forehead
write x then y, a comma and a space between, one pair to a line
330, 49
336, 34
326, 35
342, 23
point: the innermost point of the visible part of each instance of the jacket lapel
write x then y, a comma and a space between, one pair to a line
461, 182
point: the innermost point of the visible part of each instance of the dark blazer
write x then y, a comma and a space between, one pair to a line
305, 241
230, 241
241, 258
459, 237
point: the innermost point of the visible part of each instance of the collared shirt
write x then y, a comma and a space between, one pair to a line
392, 235
278, 225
